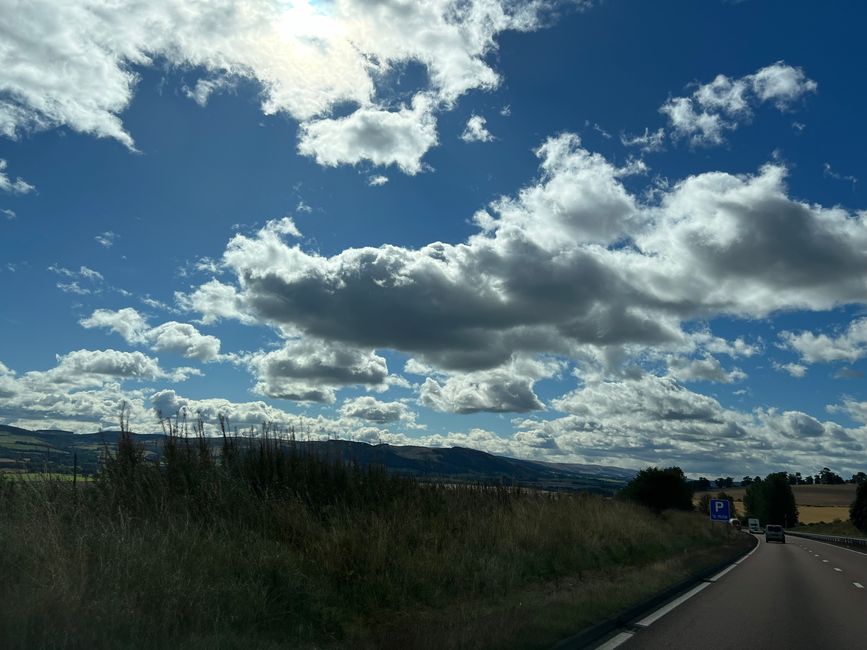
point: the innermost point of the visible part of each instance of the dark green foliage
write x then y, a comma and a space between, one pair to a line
772, 501
660, 489
858, 511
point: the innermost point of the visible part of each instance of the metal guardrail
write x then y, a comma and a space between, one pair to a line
831, 539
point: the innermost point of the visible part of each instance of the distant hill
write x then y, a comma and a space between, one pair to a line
56, 451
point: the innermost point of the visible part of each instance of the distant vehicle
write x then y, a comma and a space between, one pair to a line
754, 525
735, 523
774, 533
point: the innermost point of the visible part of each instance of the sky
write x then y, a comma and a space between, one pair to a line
614, 232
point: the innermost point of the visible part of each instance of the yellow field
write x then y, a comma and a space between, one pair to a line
816, 503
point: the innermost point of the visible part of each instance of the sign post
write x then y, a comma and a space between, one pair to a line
720, 510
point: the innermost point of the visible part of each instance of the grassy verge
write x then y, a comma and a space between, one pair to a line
266, 548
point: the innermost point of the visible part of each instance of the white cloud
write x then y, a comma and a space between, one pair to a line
106, 239
308, 370
573, 264
9, 214
722, 104
18, 186
372, 410
827, 170
706, 369
475, 130
308, 58
380, 136
377, 181
501, 390
171, 337
849, 346
647, 141
796, 370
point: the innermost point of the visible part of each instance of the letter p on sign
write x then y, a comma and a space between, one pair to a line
720, 510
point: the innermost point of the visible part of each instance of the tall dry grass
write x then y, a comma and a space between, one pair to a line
263, 545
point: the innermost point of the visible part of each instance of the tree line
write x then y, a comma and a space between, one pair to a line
770, 499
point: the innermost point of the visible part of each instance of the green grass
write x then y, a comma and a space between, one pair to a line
265, 548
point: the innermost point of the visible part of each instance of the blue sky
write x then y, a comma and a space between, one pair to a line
615, 232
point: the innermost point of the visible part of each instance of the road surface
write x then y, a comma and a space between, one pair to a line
802, 594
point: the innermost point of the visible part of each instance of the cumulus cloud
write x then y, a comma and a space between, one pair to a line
18, 186
720, 105
308, 58
501, 390
377, 135
171, 337
850, 345
656, 420
377, 181
572, 260
311, 370
371, 409
796, 370
475, 130
706, 369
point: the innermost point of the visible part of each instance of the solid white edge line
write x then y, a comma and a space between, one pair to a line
858, 584
616, 641
665, 609
721, 573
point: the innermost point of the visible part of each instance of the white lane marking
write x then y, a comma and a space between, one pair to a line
836, 569
616, 641
721, 573
842, 548
858, 584
826, 560
755, 548
665, 609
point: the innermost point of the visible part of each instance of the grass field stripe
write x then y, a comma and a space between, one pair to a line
665, 609
616, 641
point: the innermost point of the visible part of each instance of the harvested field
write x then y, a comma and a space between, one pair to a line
816, 503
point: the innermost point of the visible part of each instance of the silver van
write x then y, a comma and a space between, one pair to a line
774, 533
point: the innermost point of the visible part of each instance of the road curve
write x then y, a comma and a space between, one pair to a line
802, 594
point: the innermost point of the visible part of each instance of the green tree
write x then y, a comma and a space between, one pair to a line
858, 511
660, 489
772, 500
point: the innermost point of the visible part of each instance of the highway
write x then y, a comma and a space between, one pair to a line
802, 594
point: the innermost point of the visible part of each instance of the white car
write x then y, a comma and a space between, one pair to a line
774, 533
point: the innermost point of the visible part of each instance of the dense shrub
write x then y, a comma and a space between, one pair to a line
660, 489
858, 511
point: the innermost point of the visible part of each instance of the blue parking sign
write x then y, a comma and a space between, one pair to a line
720, 510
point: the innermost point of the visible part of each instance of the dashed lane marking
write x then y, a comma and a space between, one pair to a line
836, 569
858, 584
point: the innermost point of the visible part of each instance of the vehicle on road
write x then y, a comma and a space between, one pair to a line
735, 523
754, 526
775, 533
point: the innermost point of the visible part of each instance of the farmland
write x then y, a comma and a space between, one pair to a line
816, 503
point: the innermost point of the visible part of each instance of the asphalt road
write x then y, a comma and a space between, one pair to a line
802, 594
